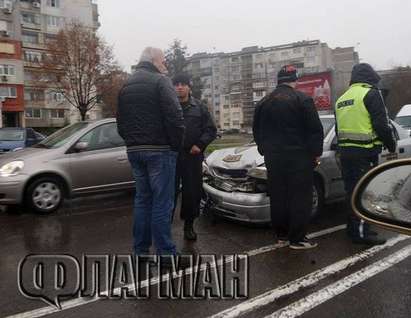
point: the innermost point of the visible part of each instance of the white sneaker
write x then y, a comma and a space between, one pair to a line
303, 245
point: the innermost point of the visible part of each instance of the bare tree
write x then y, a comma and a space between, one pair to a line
109, 89
75, 63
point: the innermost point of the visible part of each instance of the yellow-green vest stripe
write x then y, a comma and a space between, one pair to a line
353, 120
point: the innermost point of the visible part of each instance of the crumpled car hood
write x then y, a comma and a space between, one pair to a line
242, 157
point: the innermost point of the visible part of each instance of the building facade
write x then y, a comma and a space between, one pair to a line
25, 28
234, 82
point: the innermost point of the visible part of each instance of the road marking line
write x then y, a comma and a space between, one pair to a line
307, 303
305, 281
84, 301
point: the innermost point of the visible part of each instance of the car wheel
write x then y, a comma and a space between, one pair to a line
45, 195
318, 198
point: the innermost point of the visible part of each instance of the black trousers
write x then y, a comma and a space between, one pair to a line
355, 166
189, 175
290, 186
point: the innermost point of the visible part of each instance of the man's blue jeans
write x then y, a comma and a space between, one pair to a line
154, 173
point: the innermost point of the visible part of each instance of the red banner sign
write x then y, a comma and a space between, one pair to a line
318, 86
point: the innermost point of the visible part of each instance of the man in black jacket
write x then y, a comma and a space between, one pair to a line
200, 132
289, 134
362, 127
150, 121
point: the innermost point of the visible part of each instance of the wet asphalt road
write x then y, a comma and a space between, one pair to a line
102, 225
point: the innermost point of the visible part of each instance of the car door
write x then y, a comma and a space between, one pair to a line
103, 165
399, 152
330, 168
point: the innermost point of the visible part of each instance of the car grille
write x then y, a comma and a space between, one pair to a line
231, 173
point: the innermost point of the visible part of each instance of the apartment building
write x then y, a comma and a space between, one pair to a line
25, 28
235, 82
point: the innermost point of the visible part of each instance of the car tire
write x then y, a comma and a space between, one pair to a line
44, 195
318, 198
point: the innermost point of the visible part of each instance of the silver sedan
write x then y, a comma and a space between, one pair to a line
235, 178
83, 158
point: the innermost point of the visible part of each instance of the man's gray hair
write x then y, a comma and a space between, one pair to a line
150, 53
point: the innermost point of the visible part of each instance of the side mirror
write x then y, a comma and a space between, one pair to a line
383, 196
81, 146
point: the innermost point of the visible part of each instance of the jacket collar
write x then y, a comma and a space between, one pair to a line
192, 102
147, 66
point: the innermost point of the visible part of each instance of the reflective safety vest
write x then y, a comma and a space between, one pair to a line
354, 125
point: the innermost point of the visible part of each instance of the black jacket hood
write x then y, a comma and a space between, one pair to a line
364, 73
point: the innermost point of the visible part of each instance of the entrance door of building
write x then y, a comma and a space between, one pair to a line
11, 119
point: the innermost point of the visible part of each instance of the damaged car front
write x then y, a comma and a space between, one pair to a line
235, 183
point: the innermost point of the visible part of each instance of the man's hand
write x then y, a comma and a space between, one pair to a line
195, 150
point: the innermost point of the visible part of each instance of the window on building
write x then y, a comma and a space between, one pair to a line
7, 70
31, 18
50, 37
53, 3
53, 21
30, 37
311, 60
3, 25
284, 53
259, 93
6, 4
32, 56
56, 97
34, 95
34, 113
57, 113
297, 50
7, 91
310, 49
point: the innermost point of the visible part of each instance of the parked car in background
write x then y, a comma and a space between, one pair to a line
14, 138
235, 178
83, 158
403, 118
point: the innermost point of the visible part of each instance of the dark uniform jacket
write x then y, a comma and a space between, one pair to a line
149, 115
287, 121
200, 127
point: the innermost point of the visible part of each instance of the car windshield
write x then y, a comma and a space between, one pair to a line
61, 137
328, 123
404, 121
11, 135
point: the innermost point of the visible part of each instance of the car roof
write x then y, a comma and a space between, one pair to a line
404, 111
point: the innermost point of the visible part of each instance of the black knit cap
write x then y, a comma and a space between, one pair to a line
287, 74
182, 78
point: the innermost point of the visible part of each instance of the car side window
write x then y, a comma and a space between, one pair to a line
103, 137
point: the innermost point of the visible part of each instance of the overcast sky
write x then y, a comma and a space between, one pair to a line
379, 29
